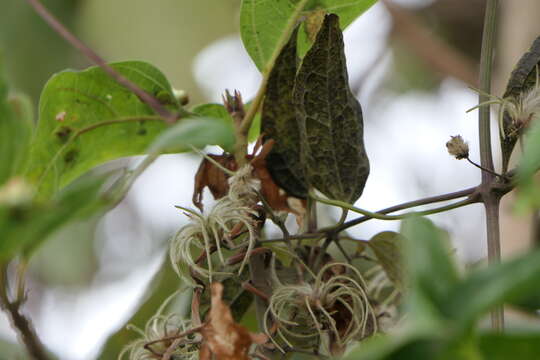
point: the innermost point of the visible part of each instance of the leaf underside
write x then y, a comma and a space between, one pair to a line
523, 78
279, 123
330, 119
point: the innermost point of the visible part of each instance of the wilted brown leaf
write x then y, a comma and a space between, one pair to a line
222, 336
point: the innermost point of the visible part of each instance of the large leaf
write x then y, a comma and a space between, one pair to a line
264, 22
330, 119
388, 248
279, 123
523, 78
15, 130
493, 286
86, 119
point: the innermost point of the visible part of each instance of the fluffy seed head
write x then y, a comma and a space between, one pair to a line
457, 147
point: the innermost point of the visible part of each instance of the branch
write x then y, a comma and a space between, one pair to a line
98, 60
471, 192
490, 199
19, 322
380, 216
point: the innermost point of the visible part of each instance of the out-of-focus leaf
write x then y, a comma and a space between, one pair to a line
529, 194
523, 78
196, 132
432, 275
15, 130
388, 248
24, 226
279, 123
330, 119
396, 347
218, 111
510, 346
86, 119
263, 22
486, 288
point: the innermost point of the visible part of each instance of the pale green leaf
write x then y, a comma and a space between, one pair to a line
264, 22
87, 119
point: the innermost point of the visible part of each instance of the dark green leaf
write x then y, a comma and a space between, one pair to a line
330, 119
522, 79
86, 119
396, 347
279, 123
510, 346
388, 248
499, 283
263, 22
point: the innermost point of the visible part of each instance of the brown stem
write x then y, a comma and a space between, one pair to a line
27, 334
98, 60
490, 198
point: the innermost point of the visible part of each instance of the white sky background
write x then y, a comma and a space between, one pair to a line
405, 139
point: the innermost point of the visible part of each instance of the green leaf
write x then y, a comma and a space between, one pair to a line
432, 275
487, 288
330, 119
264, 23
396, 347
25, 225
388, 248
15, 130
529, 194
218, 111
523, 78
196, 132
87, 119
278, 122
510, 346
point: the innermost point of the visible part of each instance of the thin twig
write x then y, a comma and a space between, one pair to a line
381, 216
483, 168
407, 205
27, 333
246, 285
57, 26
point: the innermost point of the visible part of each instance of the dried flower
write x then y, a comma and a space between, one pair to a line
520, 109
158, 338
205, 231
457, 147
334, 307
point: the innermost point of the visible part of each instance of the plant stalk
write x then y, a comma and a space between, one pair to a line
27, 334
490, 199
